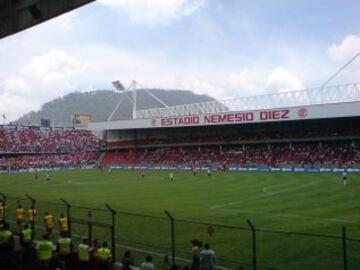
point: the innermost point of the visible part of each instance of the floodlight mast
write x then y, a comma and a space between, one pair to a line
134, 86
118, 86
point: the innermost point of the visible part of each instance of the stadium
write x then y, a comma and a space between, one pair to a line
267, 182
276, 164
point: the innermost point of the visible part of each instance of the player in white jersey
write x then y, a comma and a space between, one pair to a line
172, 176
209, 172
344, 177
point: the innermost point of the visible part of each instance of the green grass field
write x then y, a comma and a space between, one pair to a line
310, 203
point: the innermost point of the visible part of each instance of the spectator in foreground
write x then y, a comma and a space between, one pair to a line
195, 250
127, 261
84, 255
104, 256
30, 261
6, 235
207, 258
7, 258
147, 265
45, 250
25, 236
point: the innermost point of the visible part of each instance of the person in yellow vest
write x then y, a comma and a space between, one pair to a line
26, 236
84, 255
45, 249
64, 225
104, 256
49, 223
64, 247
3, 208
6, 235
20, 212
32, 215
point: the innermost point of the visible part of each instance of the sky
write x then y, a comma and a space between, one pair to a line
223, 48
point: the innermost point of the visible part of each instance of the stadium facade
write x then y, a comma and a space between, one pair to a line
316, 129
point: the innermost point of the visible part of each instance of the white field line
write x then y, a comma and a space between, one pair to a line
217, 206
286, 215
222, 207
265, 189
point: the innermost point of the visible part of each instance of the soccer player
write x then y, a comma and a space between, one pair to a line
20, 216
64, 226
3, 208
49, 223
32, 215
194, 170
142, 175
47, 177
172, 176
209, 171
344, 177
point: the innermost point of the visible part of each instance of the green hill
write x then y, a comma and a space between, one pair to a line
100, 104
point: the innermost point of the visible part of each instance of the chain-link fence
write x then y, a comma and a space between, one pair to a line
168, 239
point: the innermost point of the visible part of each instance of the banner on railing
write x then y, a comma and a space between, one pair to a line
188, 168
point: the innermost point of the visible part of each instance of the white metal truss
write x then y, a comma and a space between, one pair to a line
314, 96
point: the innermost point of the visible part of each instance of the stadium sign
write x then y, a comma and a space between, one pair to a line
228, 118
335, 110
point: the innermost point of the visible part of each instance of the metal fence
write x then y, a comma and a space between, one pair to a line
169, 237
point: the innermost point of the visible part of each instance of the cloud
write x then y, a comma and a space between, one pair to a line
93, 66
155, 11
347, 49
45, 77
341, 53
243, 81
282, 80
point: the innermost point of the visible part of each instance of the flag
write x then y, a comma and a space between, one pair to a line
118, 85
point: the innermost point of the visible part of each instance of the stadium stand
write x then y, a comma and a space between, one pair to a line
22, 148
303, 154
44, 141
305, 144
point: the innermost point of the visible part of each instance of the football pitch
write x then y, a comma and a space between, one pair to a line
316, 203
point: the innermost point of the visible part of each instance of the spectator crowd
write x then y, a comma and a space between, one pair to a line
37, 161
36, 148
21, 250
304, 154
35, 140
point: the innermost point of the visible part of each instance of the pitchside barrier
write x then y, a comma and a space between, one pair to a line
250, 168
167, 238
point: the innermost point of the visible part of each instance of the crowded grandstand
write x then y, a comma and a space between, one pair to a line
34, 147
306, 143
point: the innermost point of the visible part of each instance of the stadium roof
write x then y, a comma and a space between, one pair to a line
306, 97
318, 103
17, 15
